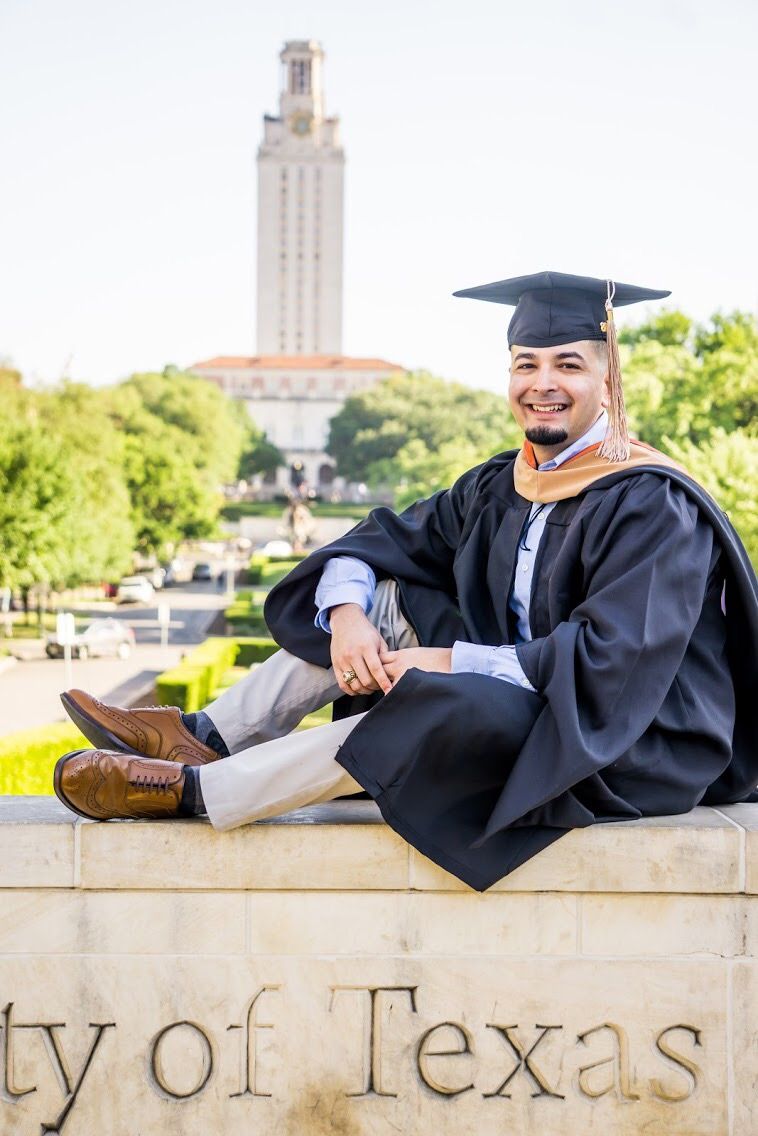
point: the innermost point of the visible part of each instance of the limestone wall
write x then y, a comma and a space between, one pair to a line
315, 975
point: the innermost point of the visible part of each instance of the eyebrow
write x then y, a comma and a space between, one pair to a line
560, 355
570, 355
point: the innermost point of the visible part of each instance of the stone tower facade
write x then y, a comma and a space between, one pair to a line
300, 215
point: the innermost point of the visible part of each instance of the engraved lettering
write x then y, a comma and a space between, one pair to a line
156, 1064
508, 1033
619, 1082
250, 1052
690, 1067
70, 1084
373, 1084
9, 1091
423, 1053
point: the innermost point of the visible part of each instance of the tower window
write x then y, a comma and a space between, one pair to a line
300, 77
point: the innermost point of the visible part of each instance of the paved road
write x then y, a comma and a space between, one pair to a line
29, 691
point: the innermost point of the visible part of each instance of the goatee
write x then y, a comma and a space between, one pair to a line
546, 435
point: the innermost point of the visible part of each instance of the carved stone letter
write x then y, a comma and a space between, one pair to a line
423, 1053
683, 1062
250, 1058
9, 1091
156, 1065
508, 1033
372, 1060
619, 1082
70, 1082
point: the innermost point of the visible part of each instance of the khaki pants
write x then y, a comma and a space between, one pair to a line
271, 770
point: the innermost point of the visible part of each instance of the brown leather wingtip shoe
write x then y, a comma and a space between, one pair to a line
101, 786
155, 731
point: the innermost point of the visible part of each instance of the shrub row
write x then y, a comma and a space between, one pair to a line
245, 615
192, 684
268, 570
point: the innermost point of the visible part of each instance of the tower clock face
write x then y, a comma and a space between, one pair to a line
301, 124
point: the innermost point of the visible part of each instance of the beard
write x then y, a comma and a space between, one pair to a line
546, 435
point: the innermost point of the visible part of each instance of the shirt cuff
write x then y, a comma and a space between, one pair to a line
497, 662
342, 594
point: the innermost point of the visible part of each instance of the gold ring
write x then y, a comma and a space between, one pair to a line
349, 676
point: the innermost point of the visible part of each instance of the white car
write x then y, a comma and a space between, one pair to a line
135, 589
102, 637
276, 548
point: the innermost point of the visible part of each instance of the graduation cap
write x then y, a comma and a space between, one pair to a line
553, 308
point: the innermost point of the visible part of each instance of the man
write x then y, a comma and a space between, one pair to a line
565, 636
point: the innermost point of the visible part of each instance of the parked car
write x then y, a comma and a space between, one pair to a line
135, 589
202, 572
276, 548
176, 571
156, 576
101, 637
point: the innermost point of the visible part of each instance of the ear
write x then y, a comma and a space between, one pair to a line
605, 402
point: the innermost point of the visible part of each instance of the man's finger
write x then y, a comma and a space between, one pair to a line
356, 686
377, 670
365, 678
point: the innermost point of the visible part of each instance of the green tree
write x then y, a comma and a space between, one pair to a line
64, 507
38, 496
416, 471
373, 427
259, 455
100, 531
727, 466
685, 384
214, 429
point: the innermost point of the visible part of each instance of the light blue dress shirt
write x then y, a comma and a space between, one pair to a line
346, 579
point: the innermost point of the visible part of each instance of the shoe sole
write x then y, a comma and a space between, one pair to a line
93, 731
57, 774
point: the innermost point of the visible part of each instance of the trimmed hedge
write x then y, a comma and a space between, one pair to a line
193, 684
254, 649
28, 757
269, 570
245, 615
190, 686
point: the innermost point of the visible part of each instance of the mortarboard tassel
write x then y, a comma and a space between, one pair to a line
615, 446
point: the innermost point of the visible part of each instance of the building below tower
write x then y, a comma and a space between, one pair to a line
293, 398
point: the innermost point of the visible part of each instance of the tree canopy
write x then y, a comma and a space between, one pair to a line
415, 430
90, 475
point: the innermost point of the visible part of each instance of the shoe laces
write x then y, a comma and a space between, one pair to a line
150, 782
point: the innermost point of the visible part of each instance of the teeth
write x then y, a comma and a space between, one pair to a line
544, 409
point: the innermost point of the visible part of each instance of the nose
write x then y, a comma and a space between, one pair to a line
543, 379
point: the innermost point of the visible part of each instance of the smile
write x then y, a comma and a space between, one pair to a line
549, 408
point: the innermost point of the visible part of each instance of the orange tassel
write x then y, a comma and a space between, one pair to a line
615, 446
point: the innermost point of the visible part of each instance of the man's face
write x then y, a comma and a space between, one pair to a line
556, 393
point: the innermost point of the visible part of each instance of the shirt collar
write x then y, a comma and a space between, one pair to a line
596, 433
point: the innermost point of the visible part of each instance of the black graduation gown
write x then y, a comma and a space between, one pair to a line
646, 699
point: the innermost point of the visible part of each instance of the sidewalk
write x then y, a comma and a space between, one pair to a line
29, 691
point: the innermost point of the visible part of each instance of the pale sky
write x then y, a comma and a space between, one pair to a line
484, 139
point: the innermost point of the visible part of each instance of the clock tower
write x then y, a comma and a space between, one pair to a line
300, 215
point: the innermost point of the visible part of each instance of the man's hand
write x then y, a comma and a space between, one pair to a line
356, 645
396, 663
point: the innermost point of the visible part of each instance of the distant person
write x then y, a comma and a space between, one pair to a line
565, 636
